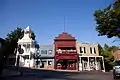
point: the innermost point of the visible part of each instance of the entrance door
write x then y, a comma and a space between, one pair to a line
92, 65
72, 64
64, 64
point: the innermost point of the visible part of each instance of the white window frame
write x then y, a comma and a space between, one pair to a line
83, 49
93, 51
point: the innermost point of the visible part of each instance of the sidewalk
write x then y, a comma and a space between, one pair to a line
57, 70
95, 71
67, 70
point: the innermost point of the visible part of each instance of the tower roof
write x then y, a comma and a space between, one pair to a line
65, 36
27, 29
26, 37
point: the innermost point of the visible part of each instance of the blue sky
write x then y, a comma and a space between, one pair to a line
46, 18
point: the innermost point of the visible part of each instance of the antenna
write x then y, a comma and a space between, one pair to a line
64, 24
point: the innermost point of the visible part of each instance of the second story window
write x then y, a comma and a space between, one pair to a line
92, 50
49, 51
82, 50
43, 51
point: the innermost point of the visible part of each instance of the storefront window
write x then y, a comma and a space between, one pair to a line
43, 51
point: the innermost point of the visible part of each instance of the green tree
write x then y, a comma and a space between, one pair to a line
108, 20
36, 45
106, 52
106, 46
14, 36
33, 35
18, 34
113, 48
11, 44
12, 39
100, 50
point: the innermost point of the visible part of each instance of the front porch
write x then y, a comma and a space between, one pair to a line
91, 63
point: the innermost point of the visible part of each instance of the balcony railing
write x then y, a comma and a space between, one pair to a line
66, 51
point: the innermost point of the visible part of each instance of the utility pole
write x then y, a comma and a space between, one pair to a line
64, 24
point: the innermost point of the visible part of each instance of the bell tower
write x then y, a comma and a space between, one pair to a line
28, 45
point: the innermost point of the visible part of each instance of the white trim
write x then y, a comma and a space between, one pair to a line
90, 56
103, 64
88, 64
95, 62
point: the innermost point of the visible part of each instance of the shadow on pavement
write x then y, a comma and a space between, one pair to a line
38, 74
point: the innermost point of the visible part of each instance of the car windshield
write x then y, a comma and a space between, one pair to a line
117, 63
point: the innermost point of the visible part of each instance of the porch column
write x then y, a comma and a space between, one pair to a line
80, 64
103, 64
80, 59
88, 64
96, 63
83, 68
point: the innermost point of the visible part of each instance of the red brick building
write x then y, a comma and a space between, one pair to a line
66, 57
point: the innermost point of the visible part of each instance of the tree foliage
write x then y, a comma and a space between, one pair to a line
15, 35
18, 34
108, 20
33, 35
106, 52
10, 44
12, 39
36, 45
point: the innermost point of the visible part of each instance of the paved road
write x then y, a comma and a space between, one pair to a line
35, 74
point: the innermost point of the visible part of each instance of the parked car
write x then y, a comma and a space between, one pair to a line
116, 69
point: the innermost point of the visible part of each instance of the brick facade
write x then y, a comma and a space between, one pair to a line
65, 52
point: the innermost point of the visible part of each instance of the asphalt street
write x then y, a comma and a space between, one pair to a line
36, 74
